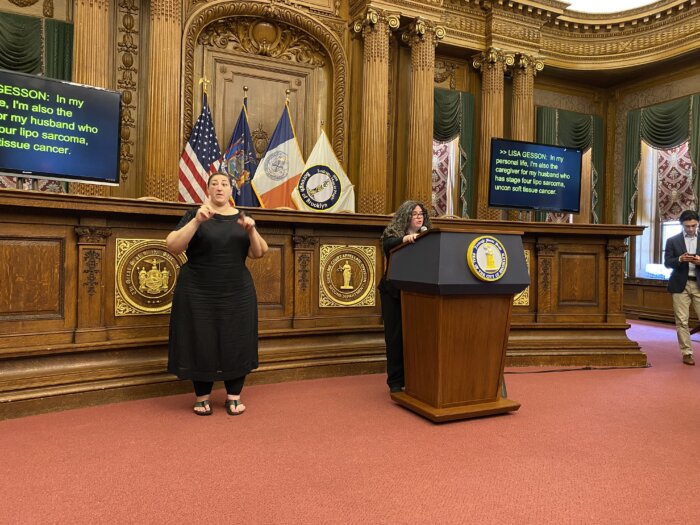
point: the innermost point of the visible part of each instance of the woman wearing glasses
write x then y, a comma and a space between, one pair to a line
405, 225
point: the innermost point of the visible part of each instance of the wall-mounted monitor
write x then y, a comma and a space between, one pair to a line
530, 176
58, 130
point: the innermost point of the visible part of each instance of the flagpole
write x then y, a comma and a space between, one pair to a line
204, 82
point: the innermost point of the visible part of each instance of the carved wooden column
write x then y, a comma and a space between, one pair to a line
546, 282
375, 29
522, 118
492, 64
305, 246
163, 145
91, 59
92, 241
422, 36
616, 276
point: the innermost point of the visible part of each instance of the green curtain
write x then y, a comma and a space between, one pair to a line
633, 153
454, 115
575, 130
695, 139
666, 125
58, 49
20, 43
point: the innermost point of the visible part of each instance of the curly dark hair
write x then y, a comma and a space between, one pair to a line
398, 226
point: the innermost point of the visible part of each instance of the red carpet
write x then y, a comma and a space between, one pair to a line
588, 446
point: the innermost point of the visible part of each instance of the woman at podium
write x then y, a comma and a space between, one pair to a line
409, 220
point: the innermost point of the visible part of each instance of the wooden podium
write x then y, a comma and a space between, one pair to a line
455, 324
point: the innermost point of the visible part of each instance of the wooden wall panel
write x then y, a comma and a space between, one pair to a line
579, 270
648, 299
31, 278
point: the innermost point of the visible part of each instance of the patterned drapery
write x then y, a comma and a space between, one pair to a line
443, 177
454, 118
674, 192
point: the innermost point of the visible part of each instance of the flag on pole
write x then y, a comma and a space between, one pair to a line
239, 160
199, 159
280, 167
323, 185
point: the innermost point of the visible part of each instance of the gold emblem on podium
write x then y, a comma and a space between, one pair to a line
145, 277
346, 276
487, 258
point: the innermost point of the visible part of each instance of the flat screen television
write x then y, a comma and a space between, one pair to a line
530, 176
58, 130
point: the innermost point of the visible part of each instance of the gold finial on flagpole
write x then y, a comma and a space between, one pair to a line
204, 82
287, 92
245, 91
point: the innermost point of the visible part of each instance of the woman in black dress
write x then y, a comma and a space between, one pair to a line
405, 226
214, 317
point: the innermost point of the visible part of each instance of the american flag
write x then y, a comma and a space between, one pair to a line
199, 159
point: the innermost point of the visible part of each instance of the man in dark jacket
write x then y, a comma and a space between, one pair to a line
681, 254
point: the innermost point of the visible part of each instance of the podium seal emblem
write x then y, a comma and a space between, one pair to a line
487, 258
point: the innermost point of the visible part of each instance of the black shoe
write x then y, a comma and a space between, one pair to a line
395, 388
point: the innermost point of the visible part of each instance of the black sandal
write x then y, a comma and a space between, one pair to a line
233, 403
205, 405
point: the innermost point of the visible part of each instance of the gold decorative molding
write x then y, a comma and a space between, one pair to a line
445, 70
127, 78
420, 30
493, 58
643, 38
347, 276
523, 298
23, 3
48, 8
221, 9
369, 21
145, 276
256, 36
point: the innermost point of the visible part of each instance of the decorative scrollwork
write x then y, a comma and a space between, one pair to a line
266, 38
128, 53
92, 260
24, 3
304, 269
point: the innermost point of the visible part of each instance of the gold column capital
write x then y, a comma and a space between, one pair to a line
421, 30
493, 57
528, 63
374, 18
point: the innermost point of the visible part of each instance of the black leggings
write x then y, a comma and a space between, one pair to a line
233, 387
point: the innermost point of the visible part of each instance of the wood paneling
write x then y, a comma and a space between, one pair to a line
580, 270
31, 278
54, 359
648, 299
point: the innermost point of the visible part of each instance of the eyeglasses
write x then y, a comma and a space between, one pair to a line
415, 214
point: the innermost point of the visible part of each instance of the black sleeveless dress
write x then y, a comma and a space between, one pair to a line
214, 317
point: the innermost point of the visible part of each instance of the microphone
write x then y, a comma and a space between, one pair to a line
423, 229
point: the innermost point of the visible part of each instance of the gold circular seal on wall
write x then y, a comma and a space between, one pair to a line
347, 276
145, 275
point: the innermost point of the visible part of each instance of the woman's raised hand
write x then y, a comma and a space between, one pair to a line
205, 212
247, 223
